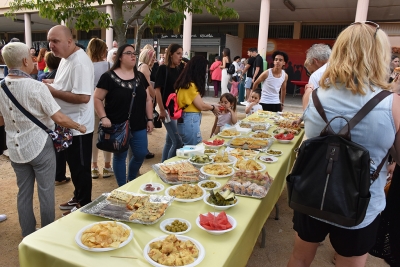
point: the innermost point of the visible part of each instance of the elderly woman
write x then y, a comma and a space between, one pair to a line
339, 94
191, 88
31, 149
116, 88
97, 52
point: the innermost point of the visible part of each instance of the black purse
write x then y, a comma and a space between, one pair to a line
115, 139
331, 177
156, 121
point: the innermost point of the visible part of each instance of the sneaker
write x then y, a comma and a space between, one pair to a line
95, 173
77, 206
5, 153
67, 180
107, 172
69, 205
3, 217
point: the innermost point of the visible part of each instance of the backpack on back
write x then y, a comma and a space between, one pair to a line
173, 108
231, 70
331, 177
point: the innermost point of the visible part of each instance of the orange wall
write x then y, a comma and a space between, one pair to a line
296, 50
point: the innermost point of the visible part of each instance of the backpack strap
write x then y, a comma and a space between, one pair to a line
321, 110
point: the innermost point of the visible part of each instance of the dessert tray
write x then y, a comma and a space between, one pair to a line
178, 172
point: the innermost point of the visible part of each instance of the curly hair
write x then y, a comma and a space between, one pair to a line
194, 72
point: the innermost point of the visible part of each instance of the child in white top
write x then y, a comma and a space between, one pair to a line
228, 113
253, 105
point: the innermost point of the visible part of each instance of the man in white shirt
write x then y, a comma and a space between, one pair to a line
317, 56
73, 89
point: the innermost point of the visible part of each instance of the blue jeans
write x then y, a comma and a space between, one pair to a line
138, 144
173, 141
189, 130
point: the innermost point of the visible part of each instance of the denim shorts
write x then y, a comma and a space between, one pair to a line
248, 82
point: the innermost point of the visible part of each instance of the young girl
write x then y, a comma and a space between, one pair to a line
235, 86
228, 113
253, 105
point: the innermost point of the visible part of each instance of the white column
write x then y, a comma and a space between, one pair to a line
62, 23
362, 10
187, 35
263, 28
109, 31
28, 29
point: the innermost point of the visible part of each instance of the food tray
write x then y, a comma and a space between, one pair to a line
245, 146
173, 178
104, 208
246, 184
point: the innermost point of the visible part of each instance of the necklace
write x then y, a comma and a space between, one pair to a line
17, 72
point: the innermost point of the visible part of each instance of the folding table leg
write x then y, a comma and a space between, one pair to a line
263, 233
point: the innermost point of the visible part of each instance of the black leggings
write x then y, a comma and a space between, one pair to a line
271, 107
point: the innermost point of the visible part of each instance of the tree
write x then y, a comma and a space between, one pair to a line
83, 14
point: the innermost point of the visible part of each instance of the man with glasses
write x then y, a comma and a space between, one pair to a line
72, 88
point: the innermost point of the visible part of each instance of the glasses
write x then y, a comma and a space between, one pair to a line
370, 23
130, 53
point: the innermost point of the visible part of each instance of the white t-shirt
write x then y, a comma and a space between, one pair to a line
75, 74
99, 69
237, 67
255, 108
316, 76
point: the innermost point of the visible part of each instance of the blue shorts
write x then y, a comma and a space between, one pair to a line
248, 83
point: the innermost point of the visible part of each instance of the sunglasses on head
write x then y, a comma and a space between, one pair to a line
370, 23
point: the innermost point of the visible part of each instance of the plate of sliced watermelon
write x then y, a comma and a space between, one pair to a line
216, 223
214, 144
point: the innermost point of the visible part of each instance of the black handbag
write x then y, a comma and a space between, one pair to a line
331, 177
61, 136
115, 139
157, 122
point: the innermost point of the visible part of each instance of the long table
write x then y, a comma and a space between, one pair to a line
54, 245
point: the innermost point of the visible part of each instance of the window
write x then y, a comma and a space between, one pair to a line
321, 31
274, 31
84, 35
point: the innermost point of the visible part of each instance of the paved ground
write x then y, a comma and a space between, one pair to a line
279, 237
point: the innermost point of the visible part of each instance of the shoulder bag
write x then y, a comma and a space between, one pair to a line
61, 136
115, 139
331, 176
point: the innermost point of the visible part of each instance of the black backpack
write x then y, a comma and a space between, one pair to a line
331, 176
231, 70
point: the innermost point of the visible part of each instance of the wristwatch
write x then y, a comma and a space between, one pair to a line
213, 108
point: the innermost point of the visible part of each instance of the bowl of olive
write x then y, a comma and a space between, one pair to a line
209, 184
176, 226
200, 161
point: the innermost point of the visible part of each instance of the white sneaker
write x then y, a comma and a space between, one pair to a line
3, 217
95, 173
5, 153
108, 172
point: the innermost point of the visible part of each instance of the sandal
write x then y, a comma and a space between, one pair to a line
150, 155
67, 180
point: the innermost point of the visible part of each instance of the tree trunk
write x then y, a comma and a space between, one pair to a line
119, 24
139, 35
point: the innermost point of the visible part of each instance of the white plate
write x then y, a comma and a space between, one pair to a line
182, 199
171, 220
218, 185
213, 147
218, 176
155, 185
202, 251
263, 167
264, 159
274, 155
231, 220
284, 141
205, 199
228, 137
232, 160
81, 245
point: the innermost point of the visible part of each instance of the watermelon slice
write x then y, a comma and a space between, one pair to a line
211, 222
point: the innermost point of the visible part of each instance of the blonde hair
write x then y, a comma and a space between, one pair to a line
14, 54
42, 53
360, 58
149, 47
146, 56
96, 50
